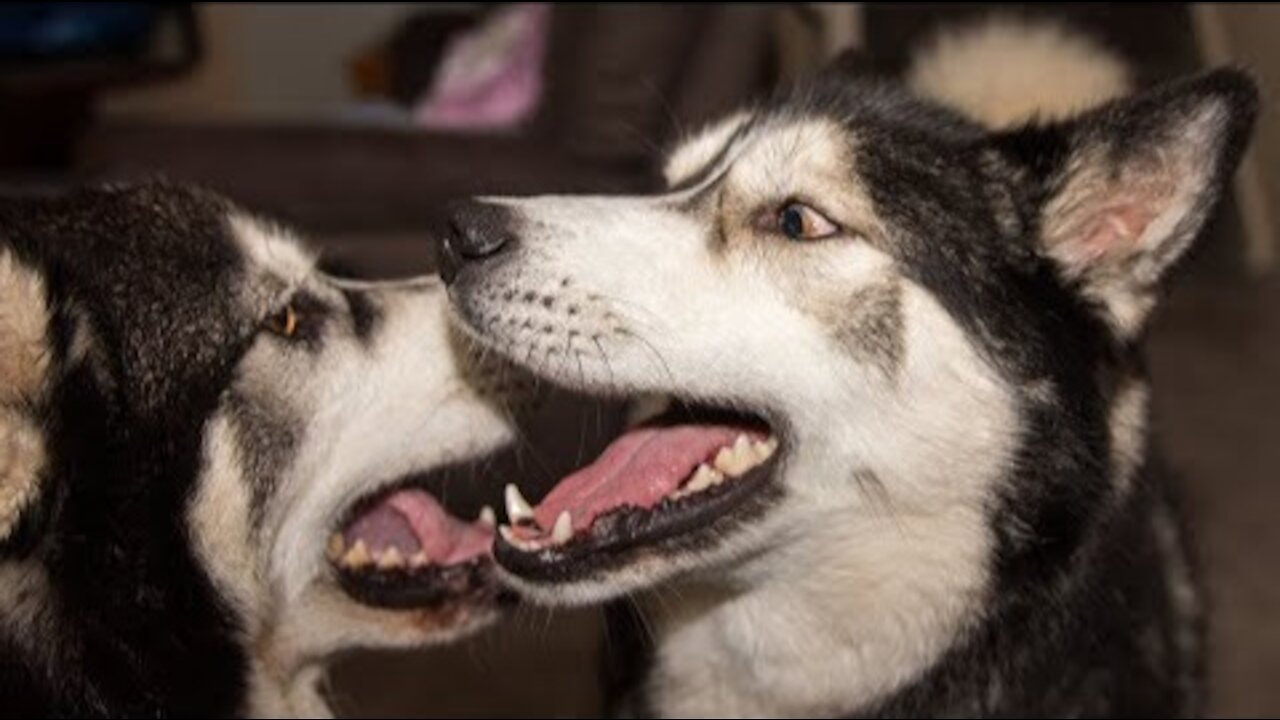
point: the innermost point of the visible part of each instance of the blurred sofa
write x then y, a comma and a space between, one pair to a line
617, 78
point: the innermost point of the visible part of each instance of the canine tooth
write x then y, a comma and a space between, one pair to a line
563, 529
518, 509
419, 559
358, 556
390, 559
337, 546
487, 516
703, 478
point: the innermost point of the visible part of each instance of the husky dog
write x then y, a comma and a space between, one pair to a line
905, 467
212, 461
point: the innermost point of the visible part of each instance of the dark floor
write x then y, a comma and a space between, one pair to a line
1215, 361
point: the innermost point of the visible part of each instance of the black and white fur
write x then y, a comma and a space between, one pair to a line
170, 467
966, 519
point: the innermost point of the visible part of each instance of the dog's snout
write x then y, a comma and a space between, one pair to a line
477, 231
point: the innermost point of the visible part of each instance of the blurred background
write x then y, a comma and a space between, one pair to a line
357, 122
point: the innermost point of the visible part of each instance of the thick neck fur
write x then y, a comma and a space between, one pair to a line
937, 611
838, 615
819, 641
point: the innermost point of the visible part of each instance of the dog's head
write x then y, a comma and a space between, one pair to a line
214, 454
861, 307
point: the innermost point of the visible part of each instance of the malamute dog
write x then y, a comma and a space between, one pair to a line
212, 461
905, 468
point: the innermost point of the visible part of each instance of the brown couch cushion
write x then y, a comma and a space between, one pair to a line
336, 179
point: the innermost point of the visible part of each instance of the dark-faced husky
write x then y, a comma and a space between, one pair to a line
219, 466
904, 468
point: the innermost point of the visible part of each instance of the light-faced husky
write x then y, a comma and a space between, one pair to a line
906, 467
212, 461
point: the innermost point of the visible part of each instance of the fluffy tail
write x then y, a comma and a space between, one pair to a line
1005, 72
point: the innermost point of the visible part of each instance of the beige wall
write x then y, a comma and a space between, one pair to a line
274, 61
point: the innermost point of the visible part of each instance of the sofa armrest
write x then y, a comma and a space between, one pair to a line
339, 179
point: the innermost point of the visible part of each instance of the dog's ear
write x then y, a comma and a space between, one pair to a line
1129, 186
24, 369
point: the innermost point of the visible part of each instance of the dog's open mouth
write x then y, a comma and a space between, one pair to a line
401, 548
659, 482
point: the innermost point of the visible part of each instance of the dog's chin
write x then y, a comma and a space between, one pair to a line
677, 493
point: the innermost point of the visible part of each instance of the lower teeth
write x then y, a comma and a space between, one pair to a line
358, 556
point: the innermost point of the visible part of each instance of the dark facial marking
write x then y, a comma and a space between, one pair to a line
873, 330
365, 315
267, 437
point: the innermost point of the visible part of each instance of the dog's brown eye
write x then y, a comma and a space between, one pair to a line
800, 222
283, 322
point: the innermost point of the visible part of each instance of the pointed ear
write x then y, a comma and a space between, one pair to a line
1133, 183
24, 367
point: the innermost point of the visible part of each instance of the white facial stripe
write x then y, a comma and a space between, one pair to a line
273, 249
219, 515
693, 155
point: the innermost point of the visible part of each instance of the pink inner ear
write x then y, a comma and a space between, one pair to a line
1114, 231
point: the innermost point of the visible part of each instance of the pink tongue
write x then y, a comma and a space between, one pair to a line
412, 520
638, 469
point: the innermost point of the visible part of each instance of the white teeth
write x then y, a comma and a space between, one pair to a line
744, 454
737, 459
518, 510
337, 546
487, 516
764, 449
418, 560
731, 461
390, 559
703, 478
524, 545
563, 529
357, 557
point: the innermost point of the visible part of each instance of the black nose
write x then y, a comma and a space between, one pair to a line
477, 230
